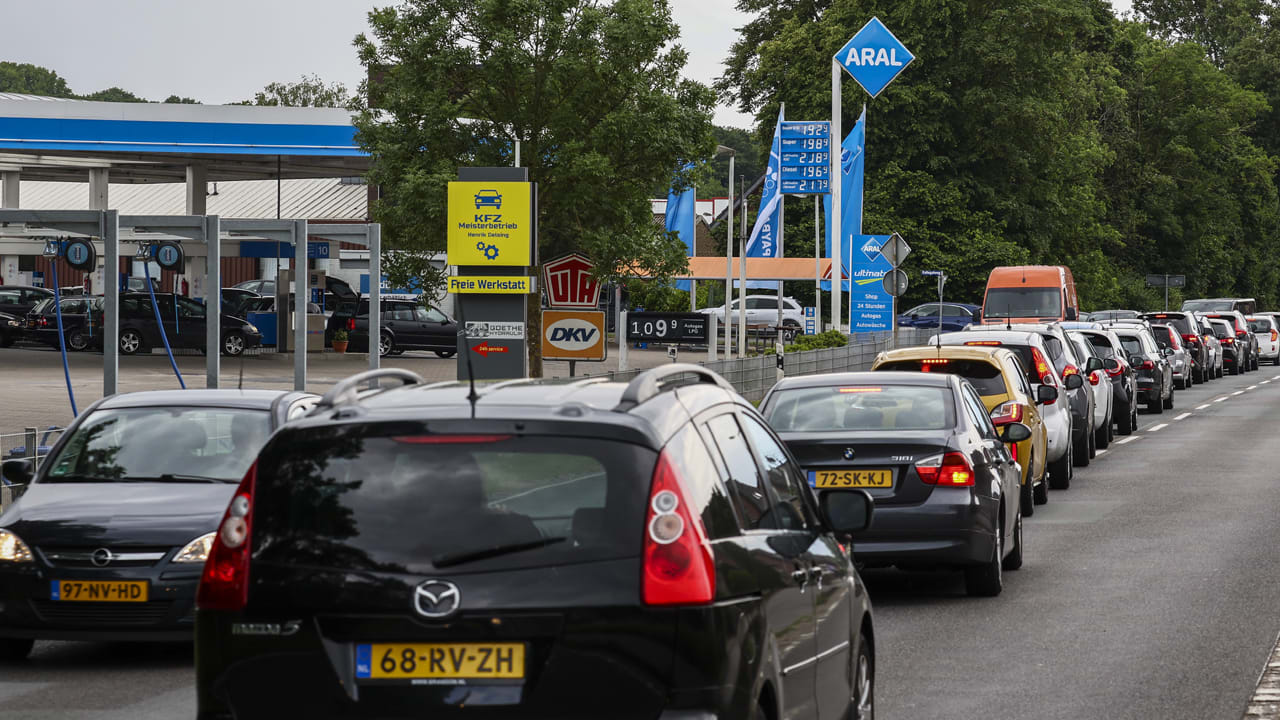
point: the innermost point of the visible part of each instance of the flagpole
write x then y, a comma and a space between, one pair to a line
782, 197
817, 263
837, 255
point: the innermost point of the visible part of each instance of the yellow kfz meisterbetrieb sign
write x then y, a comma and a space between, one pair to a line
495, 284
490, 224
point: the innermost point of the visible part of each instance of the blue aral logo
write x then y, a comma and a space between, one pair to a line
871, 248
874, 57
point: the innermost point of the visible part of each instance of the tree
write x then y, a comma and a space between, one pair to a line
310, 91
114, 94
592, 91
32, 80
176, 100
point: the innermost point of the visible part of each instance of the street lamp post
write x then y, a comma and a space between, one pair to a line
728, 268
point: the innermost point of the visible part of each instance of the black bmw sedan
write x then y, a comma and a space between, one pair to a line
109, 538
945, 486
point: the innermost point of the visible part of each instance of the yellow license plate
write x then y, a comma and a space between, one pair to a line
98, 590
834, 479
469, 661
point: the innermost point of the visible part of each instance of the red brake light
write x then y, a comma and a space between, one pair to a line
935, 361
448, 439
1191, 339
224, 585
1006, 412
1095, 377
1228, 341
351, 323
1042, 367
1275, 336
1148, 365
1070, 370
949, 470
861, 390
988, 343
678, 565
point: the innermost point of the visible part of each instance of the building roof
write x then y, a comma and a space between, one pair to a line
55, 139
313, 199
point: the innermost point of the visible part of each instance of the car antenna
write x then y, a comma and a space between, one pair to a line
1008, 316
472, 397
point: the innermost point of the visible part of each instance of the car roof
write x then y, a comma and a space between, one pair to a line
950, 352
887, 377
975, 333
254, 399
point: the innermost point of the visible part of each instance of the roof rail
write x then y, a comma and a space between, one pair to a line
649, 383
348, 389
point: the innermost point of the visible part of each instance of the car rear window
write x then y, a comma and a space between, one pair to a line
1178, 321
1101, 346
1259, 325
1208, 305
862, 407
1131, 345
986, 377
385, 497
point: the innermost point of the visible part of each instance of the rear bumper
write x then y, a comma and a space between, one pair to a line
952, 527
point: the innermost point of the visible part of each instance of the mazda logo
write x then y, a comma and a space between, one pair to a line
436, 598
849, 453
101, 557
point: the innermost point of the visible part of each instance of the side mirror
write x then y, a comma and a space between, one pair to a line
1071, 313
1093, 364
1015, 433
1046, 394
915, 316
847, 511
1111, 364
1073, 381
1167, 352
18, 471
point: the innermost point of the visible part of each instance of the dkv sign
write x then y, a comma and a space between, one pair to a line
573, 335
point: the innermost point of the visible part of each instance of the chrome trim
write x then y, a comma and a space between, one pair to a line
835, 649
115, 556
816, 658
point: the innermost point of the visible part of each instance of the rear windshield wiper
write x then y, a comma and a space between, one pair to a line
460, 558
172, 477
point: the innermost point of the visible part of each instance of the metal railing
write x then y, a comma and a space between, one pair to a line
31, 444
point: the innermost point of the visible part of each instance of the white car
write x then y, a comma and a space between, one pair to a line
1265, 329
1099, 383
763, 310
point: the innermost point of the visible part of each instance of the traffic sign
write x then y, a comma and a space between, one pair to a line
874, 57
1173, 281
896, 250
805, 162
931, 273
895, 282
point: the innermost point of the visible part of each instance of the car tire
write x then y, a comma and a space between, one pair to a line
864, 682
1154, 403
13, 650
1040, 493
6, 340
1125, 425
446, 353
1060, 471
77, 341
233, 344
130, 341
1080, 453
1168, 404
1013, 561
1093, 444
1026, 496
386, 344
1102, 436
1256, 364
987, 579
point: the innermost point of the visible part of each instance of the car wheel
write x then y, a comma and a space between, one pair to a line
1060, 471
987, 579
5, 340
386, 345
1026, 495
1126, 424
77, 341
446, 353
864, 682
1256, 365
1040, 493
1154, 403
1080, 453
233, 344
1013, 560
130, 342
1168, 404
1093, 444
1102, 436
15, 650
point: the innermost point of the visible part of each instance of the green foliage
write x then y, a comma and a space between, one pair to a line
310, 91
114, 94
32, 80
828, 339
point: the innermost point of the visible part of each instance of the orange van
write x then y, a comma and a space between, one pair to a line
1030, 293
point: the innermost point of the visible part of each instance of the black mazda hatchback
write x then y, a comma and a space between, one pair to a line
108, 538
590, 549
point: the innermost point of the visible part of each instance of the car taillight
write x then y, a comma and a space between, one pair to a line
351, 323
44, 321
1148, 365
1191, 339
1013, 450
1095, 377
1069, 371
1228, 341
1275, 336
1119, 370
1042, 367
448, 439
1006, 412
224, 584
678, 565
949, 470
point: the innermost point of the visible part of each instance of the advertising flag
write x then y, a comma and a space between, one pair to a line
763, 241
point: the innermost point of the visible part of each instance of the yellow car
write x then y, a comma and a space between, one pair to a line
999, 378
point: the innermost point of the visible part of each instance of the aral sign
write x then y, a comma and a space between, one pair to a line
573, 335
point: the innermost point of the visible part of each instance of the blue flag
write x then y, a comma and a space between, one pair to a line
681, 218
763, 242
852, 169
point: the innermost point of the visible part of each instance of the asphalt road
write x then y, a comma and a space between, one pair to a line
1150, 590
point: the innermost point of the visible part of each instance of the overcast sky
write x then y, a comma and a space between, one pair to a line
227, 50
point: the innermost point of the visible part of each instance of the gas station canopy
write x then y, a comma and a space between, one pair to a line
56, 139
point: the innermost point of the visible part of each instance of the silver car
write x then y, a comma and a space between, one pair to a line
1168, 338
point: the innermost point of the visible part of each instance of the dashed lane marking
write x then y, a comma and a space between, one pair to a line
1100, 452
1252, 387
1183, 416
1129, 439
1238, 392
1161, 426
1224, 397
1202, 407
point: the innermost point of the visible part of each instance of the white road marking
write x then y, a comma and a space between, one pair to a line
1202, 407
1100, 452
1161, 426
1224, 397
1252, 387
1129, 439
1183, 416
1263, 704
1238, 392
